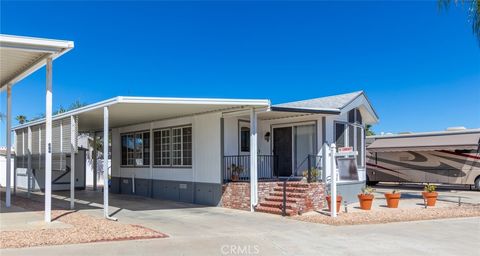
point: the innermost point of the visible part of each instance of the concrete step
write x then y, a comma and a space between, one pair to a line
277, 211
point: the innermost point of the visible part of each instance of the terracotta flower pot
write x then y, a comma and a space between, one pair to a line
329, 203
392, 199
430, 197
365, 201
235, 177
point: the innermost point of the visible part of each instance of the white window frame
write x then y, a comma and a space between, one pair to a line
171, 163
134, 134
346, 139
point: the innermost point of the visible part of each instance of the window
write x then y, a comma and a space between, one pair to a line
245, 139
340, 135
173, 147
351, 135
354, 116
136, 149
162, 147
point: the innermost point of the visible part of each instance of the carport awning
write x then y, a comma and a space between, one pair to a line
124, 111
467, 141
20, 56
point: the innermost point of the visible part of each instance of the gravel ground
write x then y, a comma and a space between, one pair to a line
86, 229
391, 215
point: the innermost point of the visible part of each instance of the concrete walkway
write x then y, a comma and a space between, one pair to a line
196, 230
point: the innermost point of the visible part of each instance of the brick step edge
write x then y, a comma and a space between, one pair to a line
277, 205
289, 194
270, 210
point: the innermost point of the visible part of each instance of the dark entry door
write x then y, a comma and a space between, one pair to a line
282, 149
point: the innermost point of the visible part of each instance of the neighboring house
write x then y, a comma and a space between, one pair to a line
191, 149
3, 166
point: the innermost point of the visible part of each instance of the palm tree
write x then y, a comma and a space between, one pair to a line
76, 104
21, 119
368, 130
473, 9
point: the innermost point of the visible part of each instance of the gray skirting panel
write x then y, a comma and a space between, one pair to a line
182, 191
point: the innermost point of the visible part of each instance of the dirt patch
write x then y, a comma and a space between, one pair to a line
391, 215
86, 229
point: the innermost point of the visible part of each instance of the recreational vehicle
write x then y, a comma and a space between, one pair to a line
447, 157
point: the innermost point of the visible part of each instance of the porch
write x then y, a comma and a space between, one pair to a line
236, 168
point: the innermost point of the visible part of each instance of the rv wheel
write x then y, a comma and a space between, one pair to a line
371, 183
477, 183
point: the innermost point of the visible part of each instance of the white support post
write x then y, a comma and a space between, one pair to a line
73, 150
105, 164
95, 158
253, 160
29, 170
333, 188
48, 143
9, 145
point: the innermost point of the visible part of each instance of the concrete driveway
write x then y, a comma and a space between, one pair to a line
197, 230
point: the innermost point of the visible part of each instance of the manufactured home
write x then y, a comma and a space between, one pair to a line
193, 149
448, 157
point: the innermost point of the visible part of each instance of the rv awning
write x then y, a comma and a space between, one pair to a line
457, 141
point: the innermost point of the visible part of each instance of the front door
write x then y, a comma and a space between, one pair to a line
282, 149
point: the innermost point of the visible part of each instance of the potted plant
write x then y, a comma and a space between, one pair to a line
430, 195
313, 174
329, 202
393, 198
366, 198
235, 171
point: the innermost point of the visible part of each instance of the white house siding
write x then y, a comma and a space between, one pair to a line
199, 183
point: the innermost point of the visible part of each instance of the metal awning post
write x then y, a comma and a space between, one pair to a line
253, 160
333, 188
105, 163
73, 150
29, 166
48, 143
94, 158
9, 145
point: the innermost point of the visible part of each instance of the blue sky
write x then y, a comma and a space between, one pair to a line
419, 66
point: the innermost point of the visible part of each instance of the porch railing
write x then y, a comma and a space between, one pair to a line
237, 168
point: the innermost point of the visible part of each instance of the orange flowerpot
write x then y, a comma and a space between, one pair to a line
329, 202
392, 199
365, 201
430, 197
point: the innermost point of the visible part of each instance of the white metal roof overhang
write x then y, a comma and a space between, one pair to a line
20, 56
124, 111
468, 141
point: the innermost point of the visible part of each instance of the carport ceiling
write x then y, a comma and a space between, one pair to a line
125, 111
20, 56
